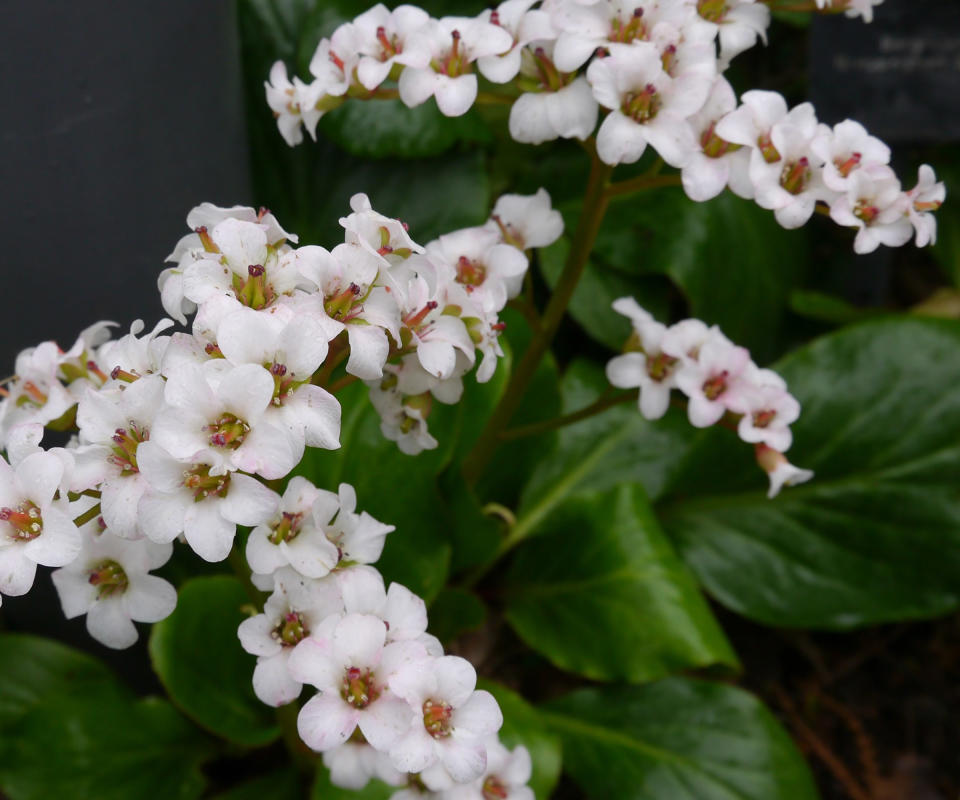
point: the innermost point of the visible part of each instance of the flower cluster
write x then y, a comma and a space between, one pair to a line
184, 436
720, 382
655, 67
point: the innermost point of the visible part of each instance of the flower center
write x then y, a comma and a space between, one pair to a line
765, 144
712, 10
389, 45
228, 431
509, 233
254, 291
866, 212
199, 481
632, 29
848, 166
287, 529
762, 419
494, 789
415, 320
713, 146
124, 448
343, 305
109, 578
358, 688
715, 386
796, 176
436, 719
660, 366
454, 63
642, 106
25, 520
291, 630
31, 396
470, 273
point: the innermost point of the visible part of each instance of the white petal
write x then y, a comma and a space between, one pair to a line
207, 532
149, 599
272, 683
108, 624
385, 720
325, 722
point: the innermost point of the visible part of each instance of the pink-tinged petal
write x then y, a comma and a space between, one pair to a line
703, 413
415, 751
362, 589
704, 177
573, 111
98, 416
416, 85
263, 556
108, 624
246, 391
398, 656
272, 682
529, 122
312, 661
119, 502
186, 387
500, 69
76, 593
59, 543
207, 532
625, 371
255, 635
246, 336
358, 640
438, 358
319, 413
241, 242
406, 613
620, 140
517, 770
269, 451
456, 95
572, 52
17, 571
456, 679
480, 715
796, 214
304, 345
368, 349
311, 554
161, 470
385, 720
149, 599
415, 683
160, 516
40, 474
671, 137
654, 400
464, 759
248, 502
326, 721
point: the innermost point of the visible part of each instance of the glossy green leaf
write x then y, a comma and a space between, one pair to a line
726, 255
197, 655
33, 669
875, 536
606, 574
455, 611
599, 286
96, 747
677, 739
524, 724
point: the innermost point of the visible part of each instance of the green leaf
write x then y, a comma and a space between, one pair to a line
606, 574
280, 785
875, 536
597, 453
92, 747
677, 739
324, 790
524, 724
828, 308
383, 128
33, 669
599, 286
197, 655
726, 255
947, 249
455, 611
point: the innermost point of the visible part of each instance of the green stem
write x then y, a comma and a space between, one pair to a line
594, 206
86, 516
602, 404
641, 183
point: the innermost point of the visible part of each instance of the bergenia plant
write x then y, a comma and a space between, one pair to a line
392, 507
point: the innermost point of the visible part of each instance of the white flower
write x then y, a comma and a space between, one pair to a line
555, 105
297, 608
713, 382
291, 346
436, 334
583, 27
526, 221
845, 149
221, 419
780, 471
454, 43
768, 410
875, 204
354, 763
854, 8
352, 667
739, 24
647, 105
383, 38
505, 778
109, 582
132, 356
403, 419
334, 62
384, 237
286, 100
716, 163
926, 197
34, 527
192, 498
452, 720
112, 427
524, 26
650, 369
